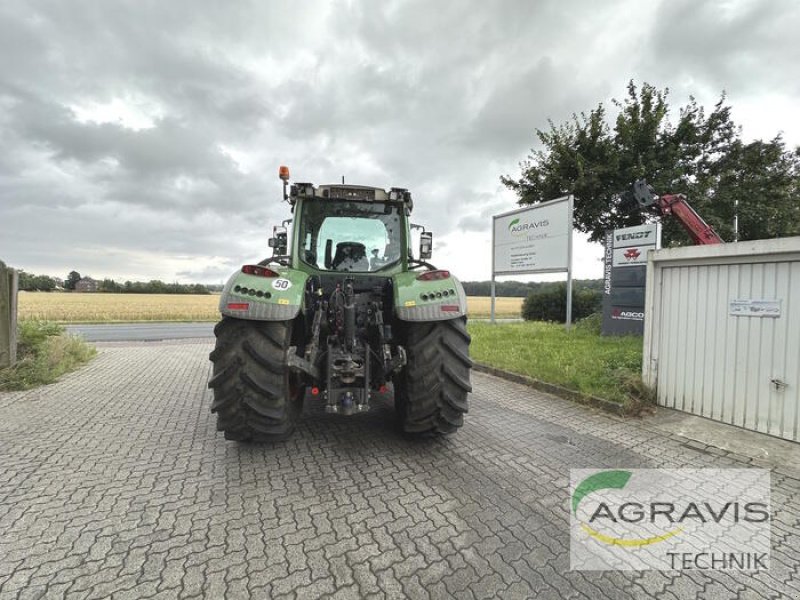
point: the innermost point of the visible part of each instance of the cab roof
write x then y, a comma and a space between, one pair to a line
357, 193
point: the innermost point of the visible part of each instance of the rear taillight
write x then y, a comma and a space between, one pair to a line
259, 271
238, 306
433, 275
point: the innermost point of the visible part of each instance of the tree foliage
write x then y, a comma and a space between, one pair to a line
154, 286
550, 304
701, 155
521, 289
73, 278
42, 283
29, 282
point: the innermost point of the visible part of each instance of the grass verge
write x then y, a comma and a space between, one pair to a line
44, 353
581, 360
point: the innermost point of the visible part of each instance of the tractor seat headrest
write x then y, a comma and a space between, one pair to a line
350, 251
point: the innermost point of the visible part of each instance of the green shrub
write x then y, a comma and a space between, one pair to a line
551, 304
31, 335
44, 353
592, 324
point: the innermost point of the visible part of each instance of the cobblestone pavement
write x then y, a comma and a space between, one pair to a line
114, 483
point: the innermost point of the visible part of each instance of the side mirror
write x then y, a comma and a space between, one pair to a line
279, 242
425, 245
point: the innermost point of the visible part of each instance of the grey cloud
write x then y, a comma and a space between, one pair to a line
439, 98
489, 204
218, 272
473, 223
741, 47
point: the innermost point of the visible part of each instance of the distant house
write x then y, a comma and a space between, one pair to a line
86, 284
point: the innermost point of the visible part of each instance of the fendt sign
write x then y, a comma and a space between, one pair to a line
625, 265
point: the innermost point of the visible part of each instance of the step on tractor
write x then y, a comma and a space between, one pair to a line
341, 313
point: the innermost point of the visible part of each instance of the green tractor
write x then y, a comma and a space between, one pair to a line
338, 314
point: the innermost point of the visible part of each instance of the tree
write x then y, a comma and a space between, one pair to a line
73, 278
701, 155
759, 182
550, 303
109, 286
26, 282
35, 283
43, 283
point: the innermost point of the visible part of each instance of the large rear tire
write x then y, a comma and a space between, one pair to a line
431, 391
255, 396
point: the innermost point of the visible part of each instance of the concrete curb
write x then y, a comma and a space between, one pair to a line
593, 401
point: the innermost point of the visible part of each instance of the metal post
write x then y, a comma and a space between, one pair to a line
568, 324
492, 309
491, 312
8, 316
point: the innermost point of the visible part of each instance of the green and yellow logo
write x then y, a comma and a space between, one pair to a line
517, 227
603, 481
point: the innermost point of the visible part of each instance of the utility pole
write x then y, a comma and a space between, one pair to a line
8, 316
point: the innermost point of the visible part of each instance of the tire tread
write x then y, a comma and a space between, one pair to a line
254, 397
432, 391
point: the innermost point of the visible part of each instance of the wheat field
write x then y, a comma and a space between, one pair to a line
110, 308
479, 307
124, 308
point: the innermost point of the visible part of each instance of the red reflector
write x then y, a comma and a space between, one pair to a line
383, 389
259, 271
449, 307
434, 275
315, 391
238, 306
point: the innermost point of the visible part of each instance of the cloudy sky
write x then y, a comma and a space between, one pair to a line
141, 139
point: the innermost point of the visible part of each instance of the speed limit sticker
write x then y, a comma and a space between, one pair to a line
281, 284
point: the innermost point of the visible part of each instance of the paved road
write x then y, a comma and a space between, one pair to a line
124, 332
114, 483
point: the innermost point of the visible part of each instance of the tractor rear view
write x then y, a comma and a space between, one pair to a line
341, 310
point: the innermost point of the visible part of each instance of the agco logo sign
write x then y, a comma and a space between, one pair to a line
516, 227
627, 315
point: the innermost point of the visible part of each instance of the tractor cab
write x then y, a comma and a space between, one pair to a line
345, 236
350, 229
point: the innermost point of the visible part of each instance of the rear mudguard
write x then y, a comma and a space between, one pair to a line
264, 298
438, 300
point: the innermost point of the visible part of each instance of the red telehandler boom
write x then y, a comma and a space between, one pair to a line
676, 205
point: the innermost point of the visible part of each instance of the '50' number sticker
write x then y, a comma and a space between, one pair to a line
281, 284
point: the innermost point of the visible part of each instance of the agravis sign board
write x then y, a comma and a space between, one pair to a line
537, 239
533, 240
